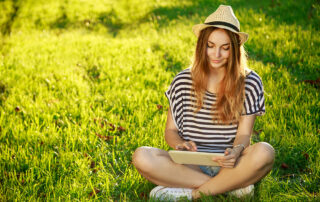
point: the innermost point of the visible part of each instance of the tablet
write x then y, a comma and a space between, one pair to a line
195, 158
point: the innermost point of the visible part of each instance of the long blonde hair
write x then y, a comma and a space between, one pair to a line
230, 95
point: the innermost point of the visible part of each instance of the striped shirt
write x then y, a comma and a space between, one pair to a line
199, 127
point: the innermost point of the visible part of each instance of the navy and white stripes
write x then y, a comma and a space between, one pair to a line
199, 127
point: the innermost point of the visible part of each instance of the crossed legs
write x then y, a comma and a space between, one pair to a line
156, 165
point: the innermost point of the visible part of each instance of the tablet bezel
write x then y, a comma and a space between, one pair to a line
194, 158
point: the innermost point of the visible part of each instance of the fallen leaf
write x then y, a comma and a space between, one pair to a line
306, 155
287, 175
17, 109
94, 192
284, 166
306, 170
100, 121
86, 155
315, 83
112, 127
93, 164
159, 107
43, 195
121, 129
143, 195
102, 125
105, 138
6, 174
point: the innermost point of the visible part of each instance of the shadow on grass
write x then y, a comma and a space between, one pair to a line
6, 24
108, 19
305, 14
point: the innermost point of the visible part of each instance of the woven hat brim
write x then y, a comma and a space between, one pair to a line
197, 29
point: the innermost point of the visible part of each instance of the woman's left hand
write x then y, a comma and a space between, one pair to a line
229, 159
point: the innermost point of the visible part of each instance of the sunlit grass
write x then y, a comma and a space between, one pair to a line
82, 86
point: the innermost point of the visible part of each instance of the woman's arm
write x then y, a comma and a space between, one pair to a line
244, 130
241, 141
172, 137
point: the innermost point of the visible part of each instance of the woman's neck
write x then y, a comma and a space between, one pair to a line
214, 78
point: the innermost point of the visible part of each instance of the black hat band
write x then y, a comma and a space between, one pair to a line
223, 23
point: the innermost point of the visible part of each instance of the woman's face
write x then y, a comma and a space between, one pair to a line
218, 48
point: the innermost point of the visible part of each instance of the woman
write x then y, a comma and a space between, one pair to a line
213, 106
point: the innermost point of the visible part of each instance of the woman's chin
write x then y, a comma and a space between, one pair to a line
217, 65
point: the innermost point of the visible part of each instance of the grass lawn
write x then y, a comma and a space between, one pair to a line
82, 86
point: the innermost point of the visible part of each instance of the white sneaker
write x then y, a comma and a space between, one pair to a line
170, 194
246, 191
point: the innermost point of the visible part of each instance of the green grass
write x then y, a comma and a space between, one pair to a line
81, 84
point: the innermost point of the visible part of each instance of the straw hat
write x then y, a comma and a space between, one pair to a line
223, 18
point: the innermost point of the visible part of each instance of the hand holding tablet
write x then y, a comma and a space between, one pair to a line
195, 158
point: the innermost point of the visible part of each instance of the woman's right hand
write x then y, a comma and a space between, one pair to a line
187, 145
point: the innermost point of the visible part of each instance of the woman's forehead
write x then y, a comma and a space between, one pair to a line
219, 36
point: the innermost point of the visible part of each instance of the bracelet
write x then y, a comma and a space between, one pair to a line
239, 145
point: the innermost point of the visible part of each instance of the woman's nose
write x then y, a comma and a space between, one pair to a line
217, 52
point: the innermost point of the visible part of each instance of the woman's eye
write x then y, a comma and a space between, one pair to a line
209, 46
226, 48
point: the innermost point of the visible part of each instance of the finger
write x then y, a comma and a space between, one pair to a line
222, 158
227, 163
230, 161
187, 145
228, 151
219, 163
227, 166
179, 147
218, 158
228, 157
194, 146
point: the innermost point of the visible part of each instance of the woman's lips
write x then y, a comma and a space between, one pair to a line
216, 61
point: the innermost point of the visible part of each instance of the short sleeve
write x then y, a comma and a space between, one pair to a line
175, 102
177, 93
254, 95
